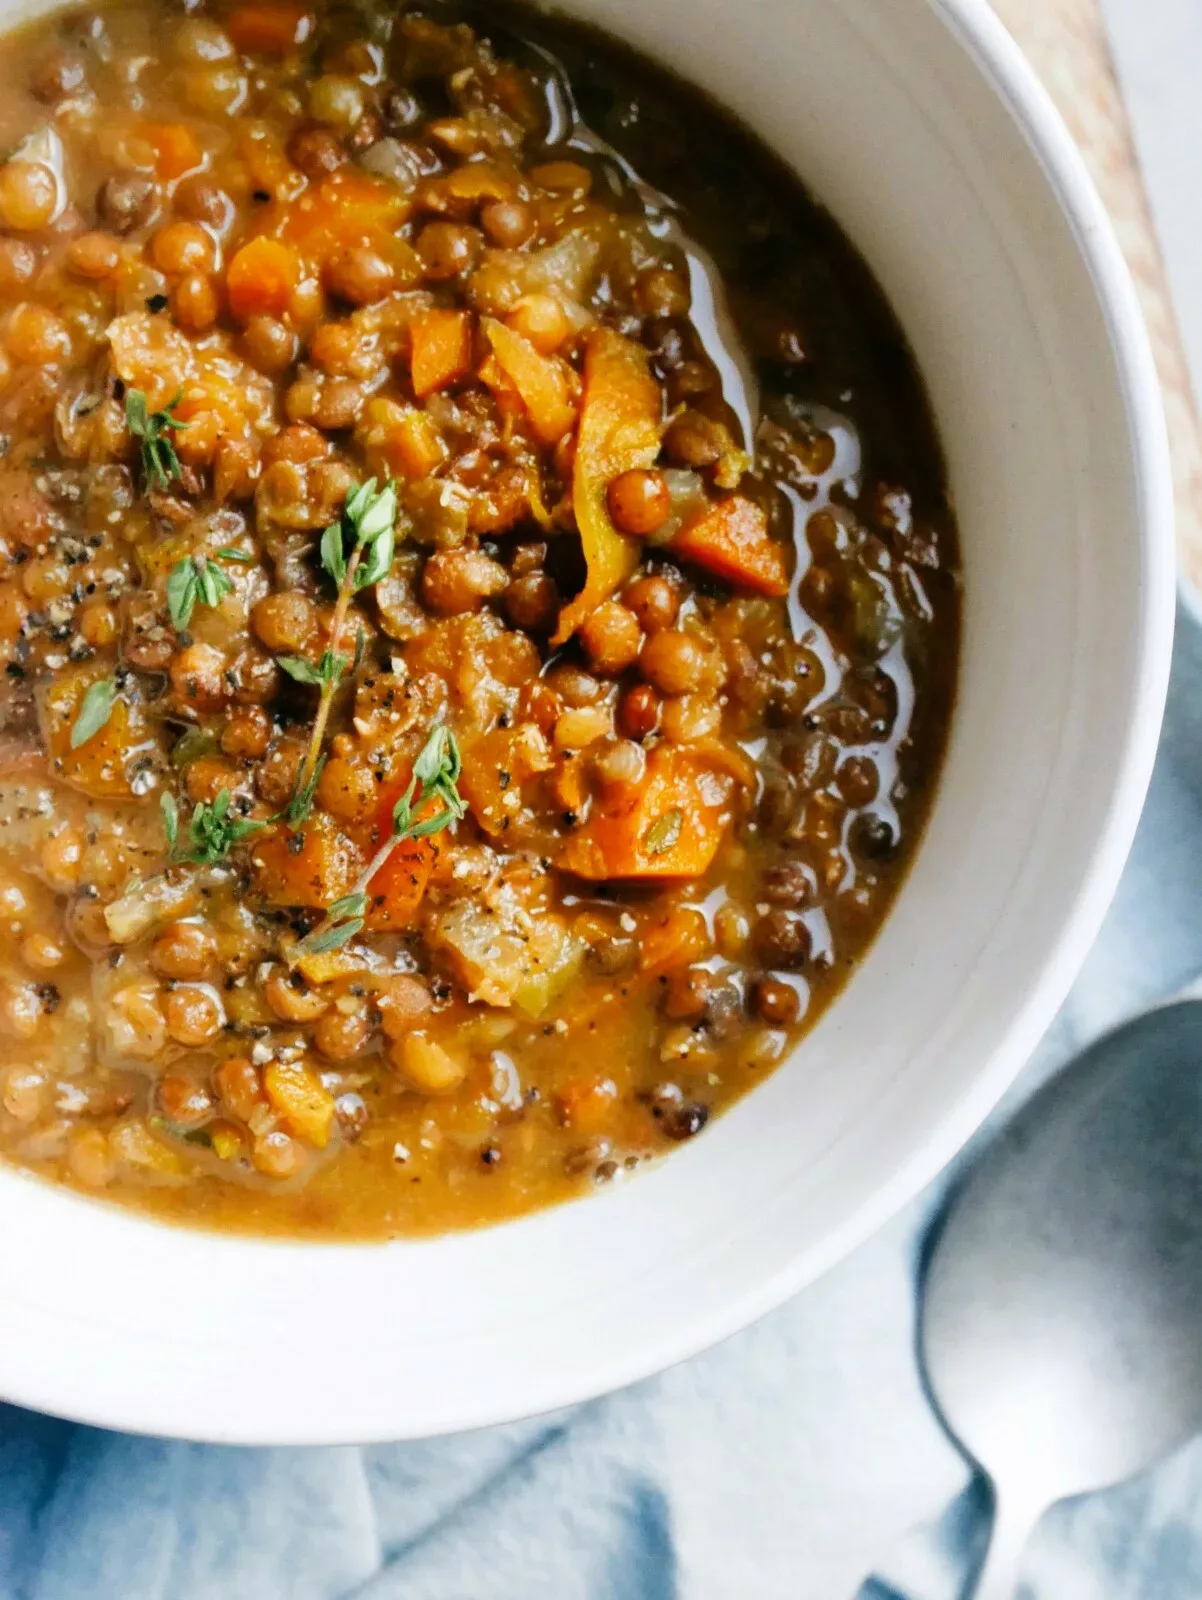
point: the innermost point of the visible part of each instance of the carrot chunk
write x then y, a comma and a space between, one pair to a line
441, 350
732, 541
175, 149
541, 381
681, 936
669, 826
261, 278
402, 441
270, 27
618, 431
320, 872
349, 208
396, 890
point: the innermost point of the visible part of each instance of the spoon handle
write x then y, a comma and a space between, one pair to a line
1012, 1528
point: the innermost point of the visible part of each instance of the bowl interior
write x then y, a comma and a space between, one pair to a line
910, 121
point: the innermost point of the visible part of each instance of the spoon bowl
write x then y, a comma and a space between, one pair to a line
1062, 1302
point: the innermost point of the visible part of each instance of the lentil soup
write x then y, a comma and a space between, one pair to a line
478, 602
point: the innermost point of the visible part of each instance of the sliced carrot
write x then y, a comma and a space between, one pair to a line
396, 891
669, 826
261, 277
679, 937
175, 149
402, 441
441, 351
269, 27
619, 430
496, 767
349, 208
732, 541
320, 872
542, 382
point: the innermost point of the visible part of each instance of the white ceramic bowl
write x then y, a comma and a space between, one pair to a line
920, 127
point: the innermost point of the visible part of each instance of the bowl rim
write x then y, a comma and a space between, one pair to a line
1008, 73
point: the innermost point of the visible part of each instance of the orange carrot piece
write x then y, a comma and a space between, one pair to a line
441, 351
541, 381
396, 891
732, 541
261, 278
669, 826
269, 27
175, 149
349, 208
619, 430
409, 445
680, 937
495, 767
316, 875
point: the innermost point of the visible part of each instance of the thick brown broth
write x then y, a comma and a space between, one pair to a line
655, 646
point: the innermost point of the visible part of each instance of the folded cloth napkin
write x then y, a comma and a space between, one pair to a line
788, 1464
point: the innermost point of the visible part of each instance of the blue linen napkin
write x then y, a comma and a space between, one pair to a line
788, 1464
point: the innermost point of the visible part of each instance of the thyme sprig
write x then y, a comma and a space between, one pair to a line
153, 430
435, 778
356, 552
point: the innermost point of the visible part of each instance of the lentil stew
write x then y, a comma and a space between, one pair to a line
478, 607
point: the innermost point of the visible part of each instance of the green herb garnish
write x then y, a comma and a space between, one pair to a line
170, 812
326, 674
356, 551
95, 709
435, 778
191, 581
367, 530
153, 430
212, 831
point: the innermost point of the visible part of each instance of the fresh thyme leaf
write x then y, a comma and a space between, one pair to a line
212, 583
191, 745
380, 551
368, 523
360, 647
332, 558
181, 592
170, 818
331, 669
194, 580
152, 429
351, 905
228, 553
301, 670
332, 937
435, 755
213, 832
94, 711
299, 807
435, 775
433, 824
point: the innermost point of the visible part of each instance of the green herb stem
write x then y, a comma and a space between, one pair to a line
153, 430
368, 522
435, 776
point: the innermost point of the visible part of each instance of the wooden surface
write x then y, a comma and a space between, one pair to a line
1066, 43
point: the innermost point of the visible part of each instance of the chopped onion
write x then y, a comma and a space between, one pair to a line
390, 158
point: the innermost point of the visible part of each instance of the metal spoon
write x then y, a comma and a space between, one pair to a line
1061, 1327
